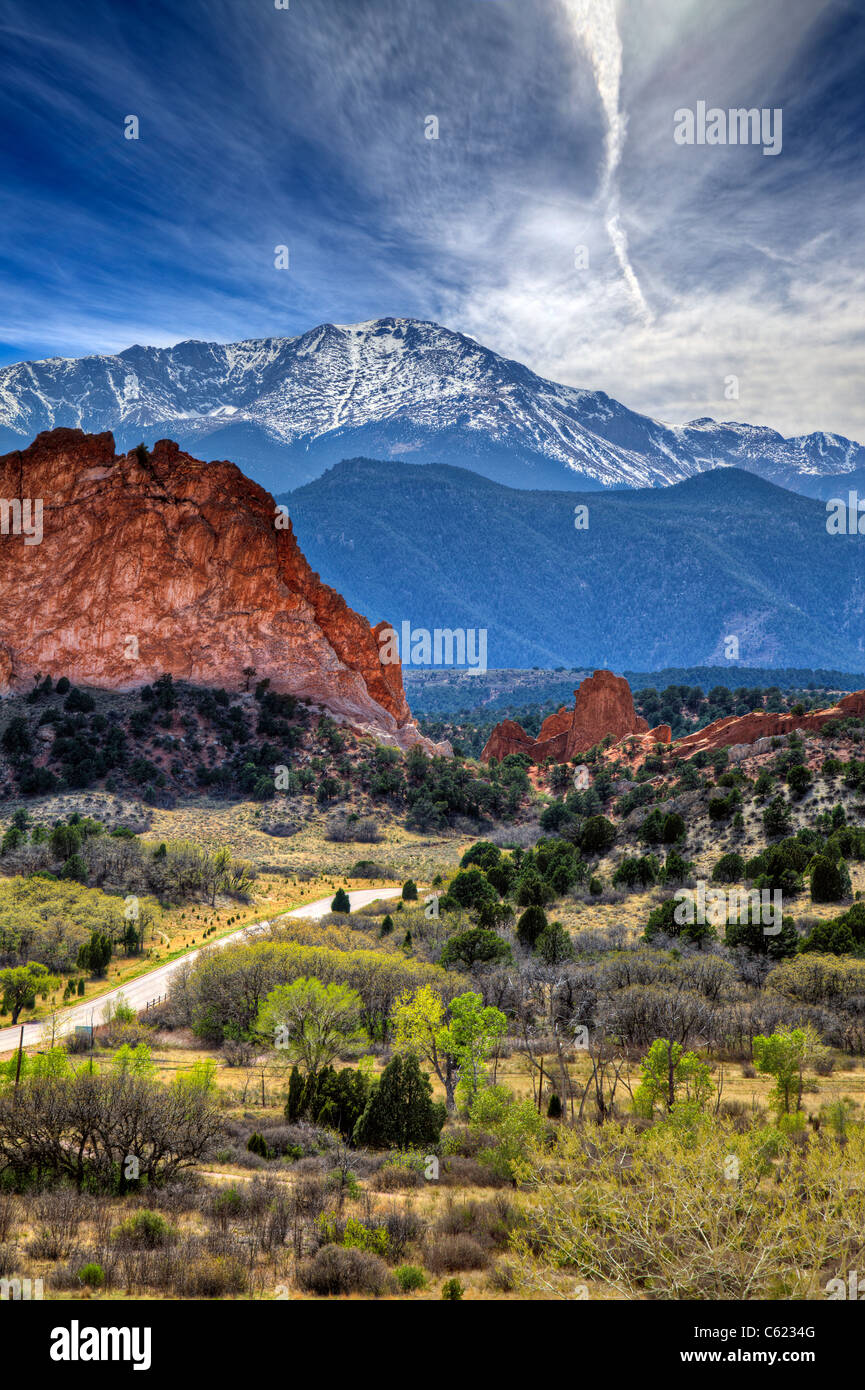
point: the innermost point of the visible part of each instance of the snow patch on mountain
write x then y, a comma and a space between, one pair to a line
415, 384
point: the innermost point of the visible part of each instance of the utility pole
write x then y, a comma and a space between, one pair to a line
20, 1055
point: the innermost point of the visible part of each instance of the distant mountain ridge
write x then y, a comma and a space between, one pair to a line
661, 577
285, 409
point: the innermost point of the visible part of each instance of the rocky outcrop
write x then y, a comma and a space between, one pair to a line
556, 724
163, 564
603, 706
748, 729
508, 737
642, 744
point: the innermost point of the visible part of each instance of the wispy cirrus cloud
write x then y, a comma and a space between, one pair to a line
307, 127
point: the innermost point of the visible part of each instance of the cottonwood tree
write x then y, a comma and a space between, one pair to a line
669, 1074
471, 1036
418, 1018
785, 1055
20, 985
311, 1023
456, 1040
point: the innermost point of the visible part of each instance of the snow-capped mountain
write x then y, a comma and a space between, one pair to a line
287, 408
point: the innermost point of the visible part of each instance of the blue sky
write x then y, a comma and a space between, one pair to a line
305, 127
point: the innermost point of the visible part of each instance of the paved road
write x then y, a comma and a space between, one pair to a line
138, 993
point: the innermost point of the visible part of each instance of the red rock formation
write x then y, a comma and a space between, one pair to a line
747, 728
603, 705
555, 724
166, 564
644, 743
507, 737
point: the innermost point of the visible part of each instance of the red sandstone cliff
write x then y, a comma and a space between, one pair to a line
747, 728
171, 565
603, 705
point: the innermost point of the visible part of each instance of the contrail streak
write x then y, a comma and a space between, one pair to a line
595, 24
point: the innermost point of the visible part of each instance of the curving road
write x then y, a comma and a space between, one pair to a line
146, 988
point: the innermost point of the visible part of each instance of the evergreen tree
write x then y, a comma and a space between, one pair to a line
75, 868
777, 820
597, 836
753, 936
467, 948
16, 739
341, 1098
554, 944
295, 1096
341, 902
94, 955
257, 1144
65, 841
400, 1113
530, 925
828, 880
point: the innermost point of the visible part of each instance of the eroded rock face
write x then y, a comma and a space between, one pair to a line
747, 729
508, 737
169, 565
603, 705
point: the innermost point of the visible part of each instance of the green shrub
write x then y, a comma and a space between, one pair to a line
336, 1270
357, 1236
830, 881
452, 1290
409, 1278
78, 701
530, 926
144, 1230
92, 1276
597, 836
730, 868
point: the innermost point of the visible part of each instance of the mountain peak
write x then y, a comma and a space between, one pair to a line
287, 408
